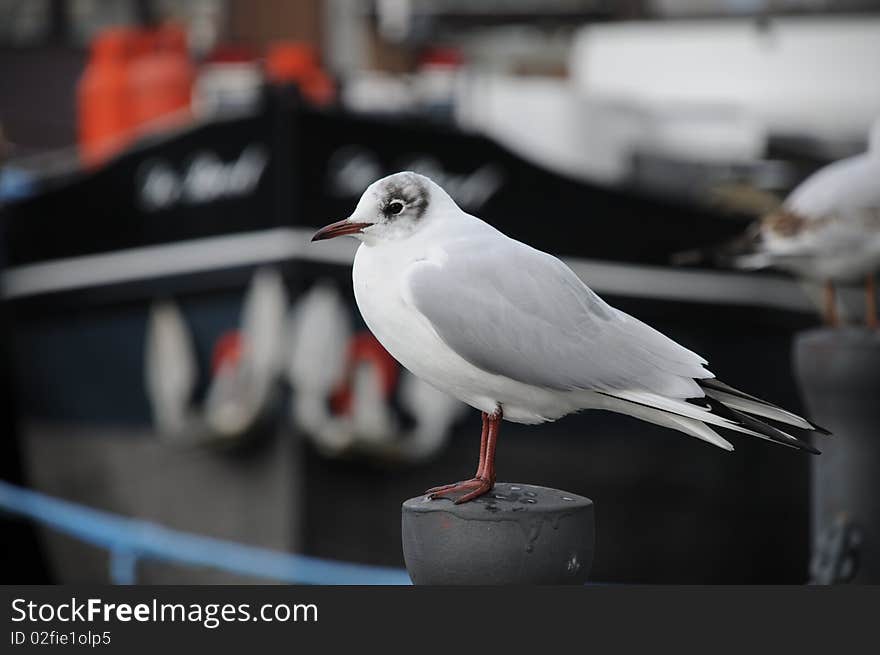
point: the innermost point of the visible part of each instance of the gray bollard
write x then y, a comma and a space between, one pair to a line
515, 534
838, 371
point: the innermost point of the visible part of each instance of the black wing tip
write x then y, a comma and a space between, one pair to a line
806, 447
718, 385
818, 428
773, 434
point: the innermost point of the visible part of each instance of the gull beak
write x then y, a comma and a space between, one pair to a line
339, 229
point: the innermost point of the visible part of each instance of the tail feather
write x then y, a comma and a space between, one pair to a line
754, 261
694, 417
689, 426
764, 430
699, 430
752, 405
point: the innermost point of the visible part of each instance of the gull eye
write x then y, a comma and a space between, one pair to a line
394, 207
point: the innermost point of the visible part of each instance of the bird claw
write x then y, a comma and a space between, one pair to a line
475, 487
443, 487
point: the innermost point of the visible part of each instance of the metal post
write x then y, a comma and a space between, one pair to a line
515, 534
839, 374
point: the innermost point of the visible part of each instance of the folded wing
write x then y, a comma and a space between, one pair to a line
519, 312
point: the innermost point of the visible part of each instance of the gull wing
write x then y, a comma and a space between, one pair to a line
848, 185
512, 310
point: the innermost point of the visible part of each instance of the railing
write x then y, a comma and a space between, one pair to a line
130, 540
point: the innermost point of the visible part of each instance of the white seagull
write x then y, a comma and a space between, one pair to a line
828, 229
514, 333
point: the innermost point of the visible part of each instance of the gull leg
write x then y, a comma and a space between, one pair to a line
829, 313
484, 480
870, 302
483, 436
488, 474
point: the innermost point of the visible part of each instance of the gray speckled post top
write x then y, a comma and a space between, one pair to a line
516, 534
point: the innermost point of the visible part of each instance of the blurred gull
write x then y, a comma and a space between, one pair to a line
514, 333
828, 229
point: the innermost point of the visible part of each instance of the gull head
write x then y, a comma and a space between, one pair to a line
392, 208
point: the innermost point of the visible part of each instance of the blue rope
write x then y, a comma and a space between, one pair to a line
123, 567
130, 539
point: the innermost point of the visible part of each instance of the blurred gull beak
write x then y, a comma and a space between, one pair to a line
339, 229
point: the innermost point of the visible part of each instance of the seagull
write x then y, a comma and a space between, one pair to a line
828, 229
514, 333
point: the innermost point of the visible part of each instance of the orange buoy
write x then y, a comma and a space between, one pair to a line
162, 80
295, 62
103, 100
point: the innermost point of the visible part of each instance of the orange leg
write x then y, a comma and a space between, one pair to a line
483, 436
484, 480
829, 313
